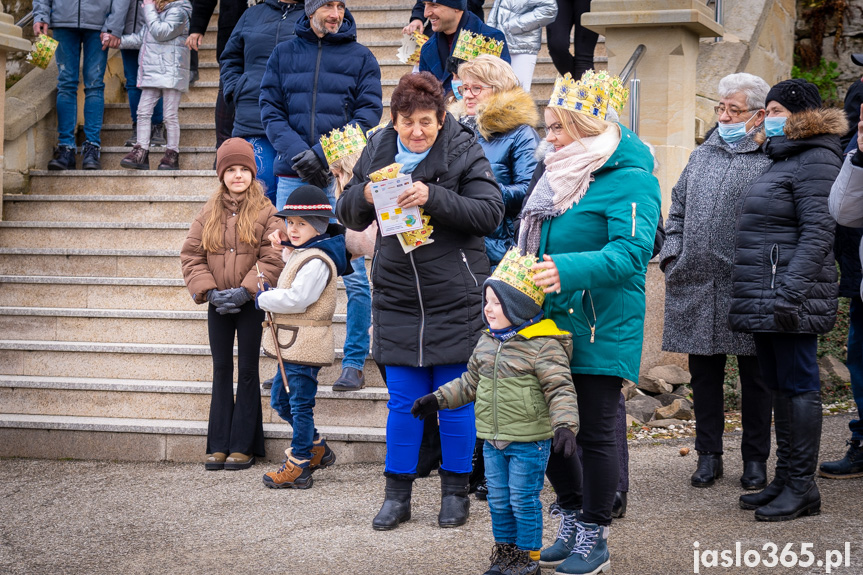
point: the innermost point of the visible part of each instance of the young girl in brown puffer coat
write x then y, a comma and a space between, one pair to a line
226, 242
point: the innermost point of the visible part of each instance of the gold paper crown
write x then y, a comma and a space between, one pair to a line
591, 95
470, 45
377, 128
515, 270
420, 39
344, 142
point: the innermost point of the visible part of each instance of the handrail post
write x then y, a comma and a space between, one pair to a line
718, 17
634, 85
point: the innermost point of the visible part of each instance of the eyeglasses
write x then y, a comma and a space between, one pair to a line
556, 129
731, 111
475, 90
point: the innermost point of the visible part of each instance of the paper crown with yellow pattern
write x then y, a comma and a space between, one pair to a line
342, 143
515, 270
591, 95
419, 39
470, 45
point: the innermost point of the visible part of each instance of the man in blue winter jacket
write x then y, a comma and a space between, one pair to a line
319, 81
92, 26
448, 18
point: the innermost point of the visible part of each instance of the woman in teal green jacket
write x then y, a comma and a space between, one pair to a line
592, 218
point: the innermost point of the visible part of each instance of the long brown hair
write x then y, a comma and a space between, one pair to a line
213, 237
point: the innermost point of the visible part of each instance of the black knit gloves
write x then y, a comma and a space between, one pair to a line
425, 406
564, 441
228, 300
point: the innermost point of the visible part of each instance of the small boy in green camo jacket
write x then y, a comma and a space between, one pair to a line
520, 379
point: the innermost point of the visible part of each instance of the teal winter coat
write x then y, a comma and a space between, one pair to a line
601, 247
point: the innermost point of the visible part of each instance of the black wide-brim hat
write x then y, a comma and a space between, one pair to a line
307, 200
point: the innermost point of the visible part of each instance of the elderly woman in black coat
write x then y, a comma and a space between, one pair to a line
427, 301
784, 284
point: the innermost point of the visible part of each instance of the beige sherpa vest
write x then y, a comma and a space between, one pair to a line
305, 338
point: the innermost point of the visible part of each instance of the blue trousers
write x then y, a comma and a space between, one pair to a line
130, 70
854, 362
72, 41
514, 477
405, 432
297, 408
789, 361
265, 155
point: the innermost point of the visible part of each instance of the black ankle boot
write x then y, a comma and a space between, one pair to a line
618, 508
397, 504
454, 503
848, 467
754, 475
708, 471
800, 496
782, 430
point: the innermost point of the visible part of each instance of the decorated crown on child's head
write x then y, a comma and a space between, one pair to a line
470, 45
591, 95
342, 143
515, 270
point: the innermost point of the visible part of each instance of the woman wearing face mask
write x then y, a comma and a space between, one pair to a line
696, 259
784, 284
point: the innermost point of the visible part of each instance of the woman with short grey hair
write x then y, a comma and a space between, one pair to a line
697, 260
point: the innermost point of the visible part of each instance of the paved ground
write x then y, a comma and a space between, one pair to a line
130, 518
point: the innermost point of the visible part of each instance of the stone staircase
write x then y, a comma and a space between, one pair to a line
102, 353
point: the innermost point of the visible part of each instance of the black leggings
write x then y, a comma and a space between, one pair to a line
236, 427
591, 486
568, 16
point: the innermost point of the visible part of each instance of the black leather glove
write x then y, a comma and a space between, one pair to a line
785, 315
564, 441
425, 406
309, 167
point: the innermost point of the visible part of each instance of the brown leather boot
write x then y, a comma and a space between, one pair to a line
170, 161
137, 159
293, 474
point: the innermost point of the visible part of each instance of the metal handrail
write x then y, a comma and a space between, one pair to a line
630, 66
628, 73
28, 19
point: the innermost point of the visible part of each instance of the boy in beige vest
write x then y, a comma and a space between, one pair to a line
303, 304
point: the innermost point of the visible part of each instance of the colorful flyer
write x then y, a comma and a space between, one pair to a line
391, 218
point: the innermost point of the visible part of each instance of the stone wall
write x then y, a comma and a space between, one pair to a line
15, 65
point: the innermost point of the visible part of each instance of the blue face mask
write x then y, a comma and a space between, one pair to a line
456, 84
774, 126
732, 133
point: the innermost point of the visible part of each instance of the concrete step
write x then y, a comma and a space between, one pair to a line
191, 158
84, 262
115, 325
398, 13
123, 293
190, 113
86, 235
190, 134
201, 91
97, 208
115, 438
136, 361
189, 185
173, 400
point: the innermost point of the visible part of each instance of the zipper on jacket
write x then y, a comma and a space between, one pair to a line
279, 25
346, 112
422, 309
464, 259
633, 219
592, 326
774, 261
315, 90
494, 390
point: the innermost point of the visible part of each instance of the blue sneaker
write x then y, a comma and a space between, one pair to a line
566, 532
590, 552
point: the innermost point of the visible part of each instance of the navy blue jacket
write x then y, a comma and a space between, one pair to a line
244, 59
314, 85
436, 51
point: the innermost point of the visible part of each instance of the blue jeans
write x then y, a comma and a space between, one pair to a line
130, 70
297, 408
515, 476
854, 362
789, 361
68, 63
284, 187
265, 155
405, 432
359, 315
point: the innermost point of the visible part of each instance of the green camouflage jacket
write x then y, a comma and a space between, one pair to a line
522, 387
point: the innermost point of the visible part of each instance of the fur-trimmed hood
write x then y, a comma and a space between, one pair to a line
502, 113
814, 122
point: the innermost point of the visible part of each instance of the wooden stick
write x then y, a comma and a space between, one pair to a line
272, 325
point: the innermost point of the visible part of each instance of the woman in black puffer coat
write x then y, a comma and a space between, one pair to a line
784, 284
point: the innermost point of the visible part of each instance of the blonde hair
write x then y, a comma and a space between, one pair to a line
161, 4
345, 166
213, 236
578, 125
490, 70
